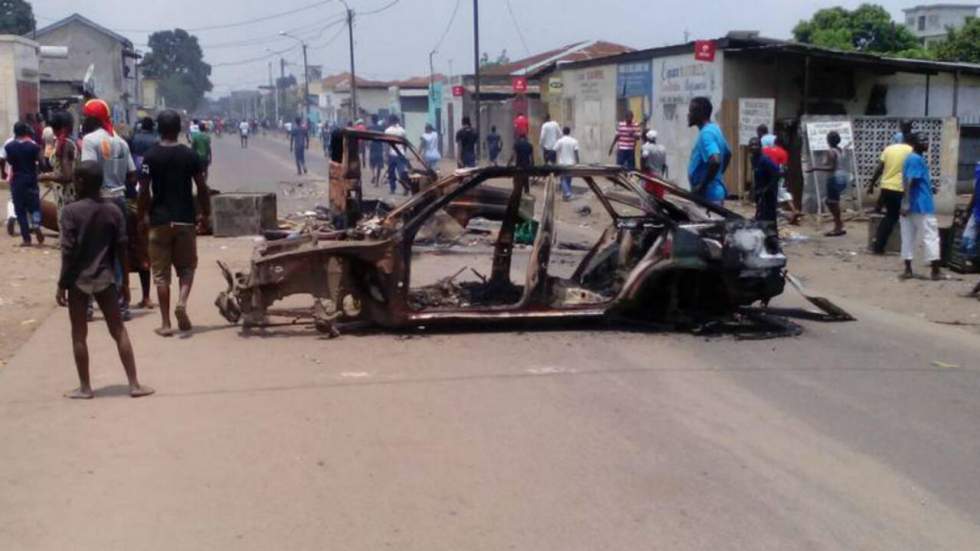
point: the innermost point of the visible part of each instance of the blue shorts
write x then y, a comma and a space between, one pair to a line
835, 186
715, 193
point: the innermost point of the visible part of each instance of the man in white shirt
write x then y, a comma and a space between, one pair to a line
397, 170
550, 134
654, 156
566, 153
243, 129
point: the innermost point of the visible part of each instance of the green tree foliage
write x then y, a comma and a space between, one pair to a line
16, 17
962, 44
868, 28
176, 60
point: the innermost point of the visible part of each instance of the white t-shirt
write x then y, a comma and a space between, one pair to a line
243, 127
565, 149
112, 153
394, 130
430, 145
550, 134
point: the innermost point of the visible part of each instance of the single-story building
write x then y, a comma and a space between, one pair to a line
658, 83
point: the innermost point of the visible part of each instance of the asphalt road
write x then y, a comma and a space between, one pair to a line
863, 435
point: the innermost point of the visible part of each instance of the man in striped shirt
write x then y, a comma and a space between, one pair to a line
627, 132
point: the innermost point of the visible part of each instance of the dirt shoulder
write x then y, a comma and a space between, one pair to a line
843, 267
28, 277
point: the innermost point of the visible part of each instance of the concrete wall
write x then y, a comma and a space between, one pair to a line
373, 100
591, 93
87, 46
906, 95
18, 63
677, 79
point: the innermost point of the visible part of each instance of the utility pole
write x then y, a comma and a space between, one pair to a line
476, 70
306, 75
353, 77
306, 88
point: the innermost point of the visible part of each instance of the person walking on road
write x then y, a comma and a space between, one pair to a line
103, 145
779, 155
971, 234
201, 144
62, 174
376, 152
493, 145
522, 125
710, 155
627, 133
765, 187
139, 234
167, 199
550, 134
243, 129
397, 169
23, 156
918, 212
467, 141
429, 144
889, 174
93, 242
298, 140
566, 148
654, 156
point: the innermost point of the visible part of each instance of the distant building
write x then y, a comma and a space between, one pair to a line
112, 57
18, 81
930, 22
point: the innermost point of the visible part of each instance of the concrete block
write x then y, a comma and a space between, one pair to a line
235, 214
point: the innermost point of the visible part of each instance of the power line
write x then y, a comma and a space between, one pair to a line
517, 26
448, 27
270, 55
302, 29
379, 10
227, 25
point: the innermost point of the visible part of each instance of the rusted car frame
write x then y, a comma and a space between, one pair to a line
671, 257
346, 194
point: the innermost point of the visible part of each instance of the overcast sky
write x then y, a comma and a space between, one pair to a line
395, 42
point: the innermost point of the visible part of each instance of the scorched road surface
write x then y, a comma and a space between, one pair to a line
848, 437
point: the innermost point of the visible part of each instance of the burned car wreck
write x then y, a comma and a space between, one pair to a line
666, 256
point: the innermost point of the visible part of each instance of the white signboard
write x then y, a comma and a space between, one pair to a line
751, 113
816, 133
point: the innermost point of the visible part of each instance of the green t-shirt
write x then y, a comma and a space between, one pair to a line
201, 144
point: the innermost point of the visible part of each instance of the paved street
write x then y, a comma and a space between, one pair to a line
852, 436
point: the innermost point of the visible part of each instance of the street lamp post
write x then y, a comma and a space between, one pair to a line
306, 77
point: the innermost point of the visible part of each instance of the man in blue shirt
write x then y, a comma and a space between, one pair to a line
972, 232
918, 220
710, 155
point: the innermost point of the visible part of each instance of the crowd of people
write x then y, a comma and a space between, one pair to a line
127, 203
123, 202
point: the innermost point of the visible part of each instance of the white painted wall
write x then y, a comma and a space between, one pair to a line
18, 61
592, 92
677, 79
